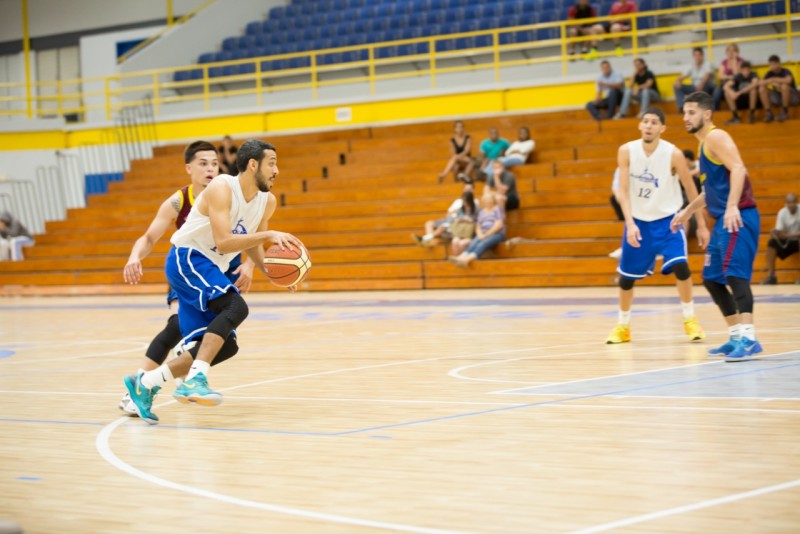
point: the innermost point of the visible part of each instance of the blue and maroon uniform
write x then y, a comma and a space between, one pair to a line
729, 253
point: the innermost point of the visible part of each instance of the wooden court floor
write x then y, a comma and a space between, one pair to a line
439, 411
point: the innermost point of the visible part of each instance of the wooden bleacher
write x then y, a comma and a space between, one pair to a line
355, 196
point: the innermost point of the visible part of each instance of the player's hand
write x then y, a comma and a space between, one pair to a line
132, 272
245, 272
678, 221
633, 235
703, 237
292, 289
285, 240
732, 219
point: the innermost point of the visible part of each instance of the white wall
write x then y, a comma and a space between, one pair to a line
53, 17
99, 58
12, 70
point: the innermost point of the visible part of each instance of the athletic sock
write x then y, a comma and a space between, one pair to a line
427, 237
198, 367
735, 332
688, 309
157, 377
625, 317
748, 331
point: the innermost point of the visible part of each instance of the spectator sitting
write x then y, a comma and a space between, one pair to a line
490, 230
582, 10
784, 237
13, 236
694, 167
741, 92
622, 7
609, 91
505, 183
491, 149
519, 151
700, 75
643, 89
440, 229
730, 67
460, 153
227, 157
778, 89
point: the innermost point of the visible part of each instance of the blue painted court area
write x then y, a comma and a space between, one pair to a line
6, 353
768, 378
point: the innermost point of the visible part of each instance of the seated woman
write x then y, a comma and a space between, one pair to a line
520, 150
506, 185
13, 236
460, 154
490, 230
435, 231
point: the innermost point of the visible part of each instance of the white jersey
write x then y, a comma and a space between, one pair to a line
655, 192
245, 218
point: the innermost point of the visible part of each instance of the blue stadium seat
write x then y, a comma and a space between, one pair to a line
299, 63
645, 5
489, 24
215, 72
277, 12
385, 52
463, 43
761, 10
737, 12
247, 68
482, 41
412, 33
435, 17
417, 19
548, 16
468, 26
247, 41
646, 23
546, 33
445, 45
208, 57
511, 9
528, 18
230, 70
492, 10
253, 28
509, 20
181, 76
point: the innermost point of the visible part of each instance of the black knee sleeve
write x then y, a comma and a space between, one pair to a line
722, 297
166, 339
741, 294
626, 283
226, 352
682, 271
231, 310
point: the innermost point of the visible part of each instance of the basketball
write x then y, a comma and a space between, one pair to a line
287, 267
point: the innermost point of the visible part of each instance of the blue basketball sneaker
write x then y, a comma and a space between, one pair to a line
196, 390
141, 397
724, 349
746, 349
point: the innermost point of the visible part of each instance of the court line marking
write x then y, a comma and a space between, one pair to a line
679, 408
102, 445
688, 508
140, 345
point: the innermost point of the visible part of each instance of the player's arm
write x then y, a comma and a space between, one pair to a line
166, 215
217, 199
685, 176
721, 146
623, 194
257, 252
467, 146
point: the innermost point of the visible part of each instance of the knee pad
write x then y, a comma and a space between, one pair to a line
721, 297
226, 352
682, 271
164, 341
742, 294
626, 283
231, 310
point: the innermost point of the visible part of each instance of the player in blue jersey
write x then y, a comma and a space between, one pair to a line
728, 195
202, 166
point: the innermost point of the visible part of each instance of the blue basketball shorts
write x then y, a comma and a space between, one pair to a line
172, 295
733, 254
196, 280
657, 238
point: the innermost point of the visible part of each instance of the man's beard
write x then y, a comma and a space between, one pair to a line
261, 183
695, 129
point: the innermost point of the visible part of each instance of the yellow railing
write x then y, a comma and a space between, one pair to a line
159, 86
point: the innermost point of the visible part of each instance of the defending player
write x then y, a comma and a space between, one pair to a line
202, 166
649, 193
229, 217
728, 195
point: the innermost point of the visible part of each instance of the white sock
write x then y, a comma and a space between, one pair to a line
625, 317
198, 367
748, 331
157, 377
735, 332
427, 237
688, 309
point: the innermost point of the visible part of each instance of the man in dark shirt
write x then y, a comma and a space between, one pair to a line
741, 92
582, 10
778, 89
643, 89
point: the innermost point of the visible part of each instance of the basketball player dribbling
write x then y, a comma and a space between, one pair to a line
728, 195
229, 217
202, 166
649, 193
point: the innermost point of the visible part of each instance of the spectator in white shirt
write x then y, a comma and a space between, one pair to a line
785, 238
520, 150
701, 76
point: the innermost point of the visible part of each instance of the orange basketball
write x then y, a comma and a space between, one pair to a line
287, 267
